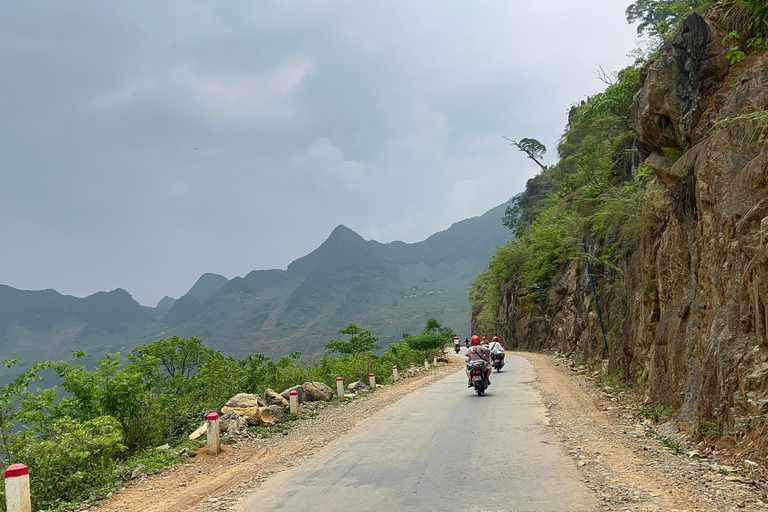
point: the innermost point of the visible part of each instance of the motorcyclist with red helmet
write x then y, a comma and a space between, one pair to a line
496, 349
478, 352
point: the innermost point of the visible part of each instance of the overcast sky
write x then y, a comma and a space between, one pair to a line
145, 143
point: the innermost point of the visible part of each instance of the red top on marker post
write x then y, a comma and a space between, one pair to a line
294, 393
371, 375
339, 378
16, 470
212, 416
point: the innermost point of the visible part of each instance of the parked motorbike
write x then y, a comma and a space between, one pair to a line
498, 361
456, 346
477, 372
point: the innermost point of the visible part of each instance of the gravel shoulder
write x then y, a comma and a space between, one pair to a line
623, 462
206, 483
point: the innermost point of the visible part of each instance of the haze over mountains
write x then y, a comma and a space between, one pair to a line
387, 288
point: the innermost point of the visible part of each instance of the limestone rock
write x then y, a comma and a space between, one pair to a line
244, 400
271, 397
300, 389
266, 417
318, 392
358, 387
199, 432
249, 414
278, 412
232, 423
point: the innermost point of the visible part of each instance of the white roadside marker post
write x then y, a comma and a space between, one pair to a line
413, 368
294, 401
434, 360
395, 376
372, 380
214, 445
340, 387
17, 497
426, 364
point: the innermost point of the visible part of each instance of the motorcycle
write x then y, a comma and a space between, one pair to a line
466, 342
477, 372
456, 346
498, 361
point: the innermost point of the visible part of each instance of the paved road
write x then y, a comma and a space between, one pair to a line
441, 449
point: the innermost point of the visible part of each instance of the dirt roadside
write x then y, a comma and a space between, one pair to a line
625, 468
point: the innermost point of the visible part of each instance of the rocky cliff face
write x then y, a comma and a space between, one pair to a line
690, 323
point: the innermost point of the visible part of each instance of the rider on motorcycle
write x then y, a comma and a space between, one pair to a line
484, 341
496, 349
456, 344
478, 352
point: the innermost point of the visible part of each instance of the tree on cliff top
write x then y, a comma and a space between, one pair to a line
533, 148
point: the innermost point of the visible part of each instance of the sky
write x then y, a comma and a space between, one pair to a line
145, 143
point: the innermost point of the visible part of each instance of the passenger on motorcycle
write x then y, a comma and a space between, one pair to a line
478, 352
456, 344
484, 341
496, 349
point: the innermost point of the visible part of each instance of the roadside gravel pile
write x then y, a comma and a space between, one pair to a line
623, 458
206, 483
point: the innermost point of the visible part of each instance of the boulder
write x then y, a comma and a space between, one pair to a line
300, 389
271, 397
244, 400
318, 392
231, 422
249, 414
266, 417
278, 412
358, 386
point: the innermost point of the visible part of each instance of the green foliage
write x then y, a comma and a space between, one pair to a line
77, 456
734, 53
656, 413
711, 428
361, 341
660, 18
596, 190
431, 340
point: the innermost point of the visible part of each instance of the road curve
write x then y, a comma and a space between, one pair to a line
441, 449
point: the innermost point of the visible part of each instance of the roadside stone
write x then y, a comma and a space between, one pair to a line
243, 401
272, 397
231, 422
299, 389
266, 417
358, 387
278, 412
318, 392
249, 414
199, 432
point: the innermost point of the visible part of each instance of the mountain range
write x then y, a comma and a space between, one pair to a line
388, 288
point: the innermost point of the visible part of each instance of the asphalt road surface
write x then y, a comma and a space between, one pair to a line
440, 449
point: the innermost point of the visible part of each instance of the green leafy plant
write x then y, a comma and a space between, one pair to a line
734, 53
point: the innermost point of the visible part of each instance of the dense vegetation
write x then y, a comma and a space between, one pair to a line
597, 191
92, 429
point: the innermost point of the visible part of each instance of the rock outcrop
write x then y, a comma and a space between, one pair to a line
688, 322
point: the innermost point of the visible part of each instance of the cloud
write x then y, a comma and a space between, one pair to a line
245, 94
118, 97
